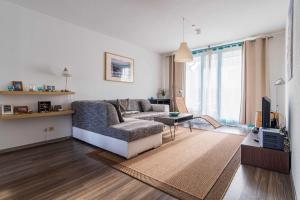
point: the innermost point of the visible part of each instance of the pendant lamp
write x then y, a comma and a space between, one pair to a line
183, 53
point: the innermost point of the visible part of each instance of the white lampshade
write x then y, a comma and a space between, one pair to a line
66, 73
183, 54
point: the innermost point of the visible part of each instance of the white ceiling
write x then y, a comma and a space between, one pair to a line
156, 24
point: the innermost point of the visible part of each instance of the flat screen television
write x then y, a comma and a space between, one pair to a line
266, 109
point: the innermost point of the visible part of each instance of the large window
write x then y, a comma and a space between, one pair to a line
213, 83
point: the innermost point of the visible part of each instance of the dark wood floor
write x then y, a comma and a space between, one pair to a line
64, 171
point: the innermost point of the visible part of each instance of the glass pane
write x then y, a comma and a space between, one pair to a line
231, 71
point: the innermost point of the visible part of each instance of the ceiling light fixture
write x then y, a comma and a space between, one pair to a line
183, 54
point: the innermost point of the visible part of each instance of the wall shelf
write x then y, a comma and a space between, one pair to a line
34, 93
36, 115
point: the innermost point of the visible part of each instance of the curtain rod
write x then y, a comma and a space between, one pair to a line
268, 36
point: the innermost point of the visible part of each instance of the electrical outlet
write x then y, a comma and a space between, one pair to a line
51, 128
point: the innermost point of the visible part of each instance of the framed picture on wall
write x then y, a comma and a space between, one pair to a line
119, 68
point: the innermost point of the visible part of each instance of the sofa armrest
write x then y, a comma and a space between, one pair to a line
160, 107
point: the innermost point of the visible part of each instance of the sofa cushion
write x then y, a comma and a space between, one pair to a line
134, 129
145, 105
145, 115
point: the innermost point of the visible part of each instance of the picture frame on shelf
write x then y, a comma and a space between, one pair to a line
6, 109
57, 108
21, 109
44, 106
18, 85
50, 88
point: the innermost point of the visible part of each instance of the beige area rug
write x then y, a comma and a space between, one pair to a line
196, 165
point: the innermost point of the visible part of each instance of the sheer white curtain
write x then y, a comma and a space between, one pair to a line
193, 85
213, 84
231, 85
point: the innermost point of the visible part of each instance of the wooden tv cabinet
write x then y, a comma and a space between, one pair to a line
253, 154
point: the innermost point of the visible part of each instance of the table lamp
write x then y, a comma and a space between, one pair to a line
66, 73
277, 83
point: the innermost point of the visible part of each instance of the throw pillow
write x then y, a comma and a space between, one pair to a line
117, 107
124, 103
145, 105
134, 105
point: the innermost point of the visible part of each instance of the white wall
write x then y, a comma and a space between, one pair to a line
293, 93
276, 60
35, 48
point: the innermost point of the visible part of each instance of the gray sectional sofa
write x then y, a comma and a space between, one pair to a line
98, 123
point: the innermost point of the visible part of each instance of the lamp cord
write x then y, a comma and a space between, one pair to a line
183, 28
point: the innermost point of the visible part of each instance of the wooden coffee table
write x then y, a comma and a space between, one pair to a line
172, 122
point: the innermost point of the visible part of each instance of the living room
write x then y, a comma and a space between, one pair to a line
99, 102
